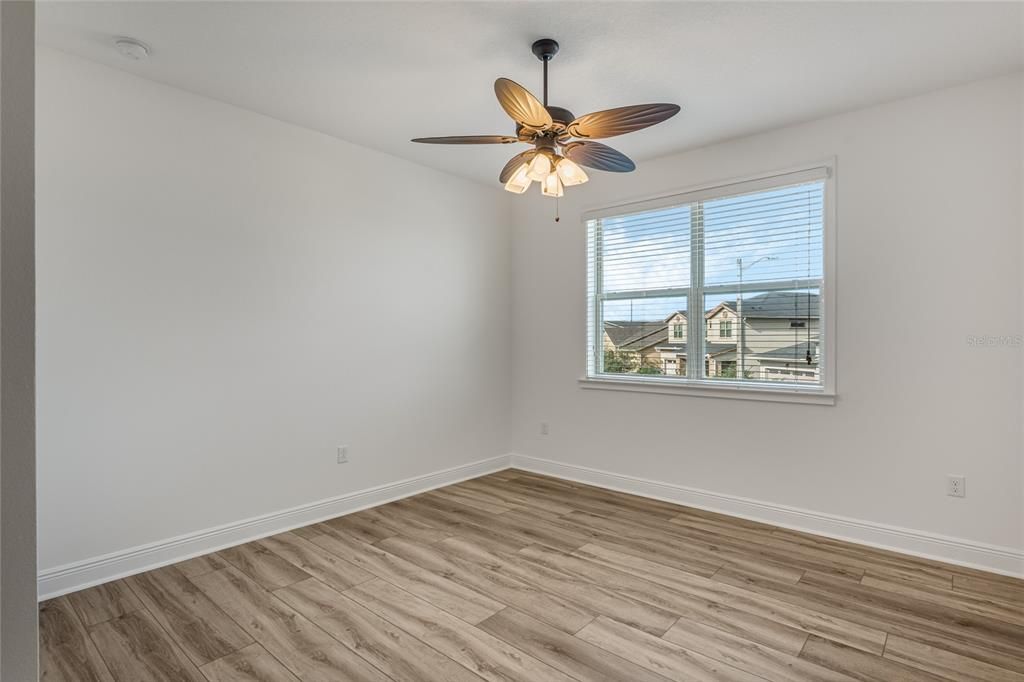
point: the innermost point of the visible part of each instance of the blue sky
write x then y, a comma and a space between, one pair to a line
652, 250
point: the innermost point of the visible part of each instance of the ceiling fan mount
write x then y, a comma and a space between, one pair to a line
545, 49
556, 157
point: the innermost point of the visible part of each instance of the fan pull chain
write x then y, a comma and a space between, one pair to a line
557, 217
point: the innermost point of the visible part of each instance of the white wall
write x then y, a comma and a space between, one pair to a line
929, 249
217, 297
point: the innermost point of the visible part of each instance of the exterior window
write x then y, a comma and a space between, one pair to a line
751, 255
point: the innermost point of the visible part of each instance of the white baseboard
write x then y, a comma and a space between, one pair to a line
60, 580
1003, 560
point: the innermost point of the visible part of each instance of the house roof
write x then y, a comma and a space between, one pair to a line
776, 304
678, 312
629, 335
635, 335
793, 351
716, 348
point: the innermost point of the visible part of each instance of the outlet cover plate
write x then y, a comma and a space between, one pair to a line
956, 486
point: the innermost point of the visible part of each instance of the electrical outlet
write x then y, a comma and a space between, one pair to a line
543, 428
342, 454
956, 486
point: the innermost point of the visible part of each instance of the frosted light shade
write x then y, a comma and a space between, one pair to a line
552, 186
520, 181
570, 173
540, 167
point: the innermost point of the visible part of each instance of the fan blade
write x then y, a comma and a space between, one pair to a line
523, 107
623, 120
514, 163
598, 156
468, 139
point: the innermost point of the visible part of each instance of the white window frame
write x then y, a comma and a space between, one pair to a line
824, 171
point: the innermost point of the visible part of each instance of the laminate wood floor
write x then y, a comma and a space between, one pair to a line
516, 576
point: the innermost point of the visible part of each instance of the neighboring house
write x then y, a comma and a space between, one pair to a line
671, 351
788, 363
636, 337
638, 342
779, 330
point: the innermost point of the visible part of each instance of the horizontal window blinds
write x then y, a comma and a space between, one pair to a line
714, 286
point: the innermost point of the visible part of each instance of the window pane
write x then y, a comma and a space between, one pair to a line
646, 250
767, 236
752, 240
640, 336
772, 336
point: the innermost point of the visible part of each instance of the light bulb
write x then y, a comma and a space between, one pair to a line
570, 173
540, 167
552, 186
519, 182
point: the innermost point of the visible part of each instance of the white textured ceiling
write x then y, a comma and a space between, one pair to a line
379, 73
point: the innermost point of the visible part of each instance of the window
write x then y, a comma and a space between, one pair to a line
751, 254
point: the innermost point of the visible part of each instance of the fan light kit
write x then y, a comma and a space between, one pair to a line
556, 157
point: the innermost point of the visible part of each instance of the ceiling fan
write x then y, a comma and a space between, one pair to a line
561, 142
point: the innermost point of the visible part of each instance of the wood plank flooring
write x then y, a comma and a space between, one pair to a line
516, 576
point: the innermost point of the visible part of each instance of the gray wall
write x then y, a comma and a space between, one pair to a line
18, 647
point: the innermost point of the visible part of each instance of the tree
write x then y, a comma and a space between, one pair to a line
628, 362
729, 372
617, 362
649, 368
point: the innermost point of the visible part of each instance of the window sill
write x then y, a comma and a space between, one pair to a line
776, 394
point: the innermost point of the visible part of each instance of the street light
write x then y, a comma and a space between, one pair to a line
741, 372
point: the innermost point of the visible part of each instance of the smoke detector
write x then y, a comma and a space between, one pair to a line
132, 49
